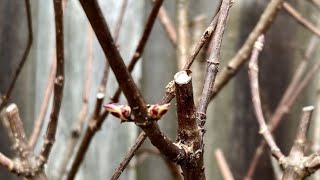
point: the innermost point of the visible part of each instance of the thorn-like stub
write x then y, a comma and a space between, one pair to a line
308, 108
182, 77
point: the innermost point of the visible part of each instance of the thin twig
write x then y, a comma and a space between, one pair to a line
241, 56
211, 72
183, 32
44, 105
143, 153
123, 164
76, 131
10, 165
86, 85
254, 86
58, 85
300, 19
316, 3
213, 63
119, 20
294, 89
223, 165
5, 98
198, 27
142, 42
277, 171
167, 25
301, 137
204, 38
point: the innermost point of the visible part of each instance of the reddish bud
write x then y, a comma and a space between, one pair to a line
156, 111
120, 111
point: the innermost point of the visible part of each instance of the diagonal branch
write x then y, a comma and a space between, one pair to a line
223, 165
169, 93
240, 58
300, 19
96, 122
44, 106
131, 92
167, 25
128, 157
119, 20
4, 100
142, 43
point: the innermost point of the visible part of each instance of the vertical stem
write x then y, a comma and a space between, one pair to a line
183, 32
58, 84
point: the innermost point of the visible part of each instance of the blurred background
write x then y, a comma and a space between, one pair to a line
231, 123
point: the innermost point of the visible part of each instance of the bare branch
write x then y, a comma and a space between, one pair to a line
44, 105
301, 137
294, 89
213, 63
10, 165
316, 3
223, 165
119, 20
300, 19
5, 98
129, 156
297, 165
167, 25
254, 85
58, 85
142, 43
240, 58
78, 126
183, 32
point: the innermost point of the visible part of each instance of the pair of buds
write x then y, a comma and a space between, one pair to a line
123, 112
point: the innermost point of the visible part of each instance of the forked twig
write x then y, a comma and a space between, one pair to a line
296, 86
